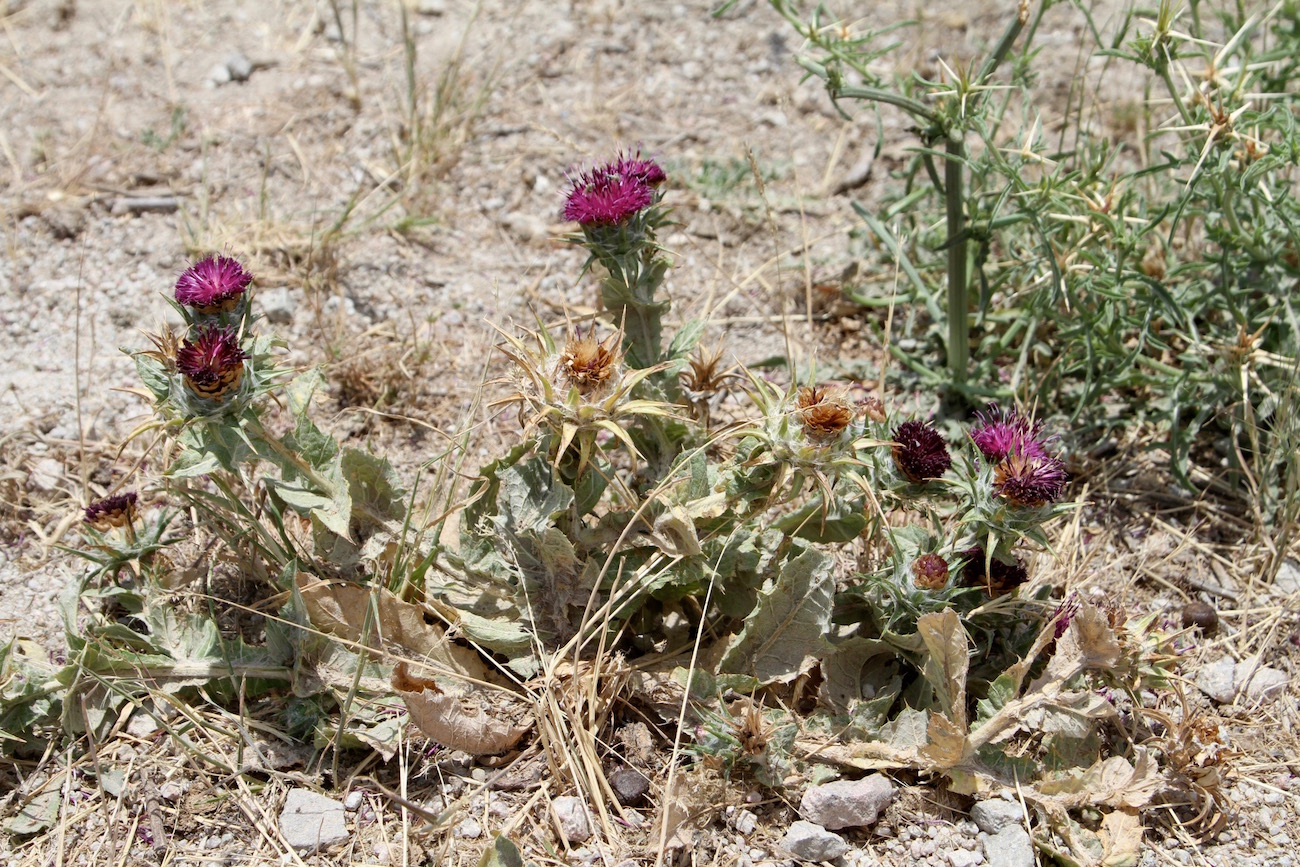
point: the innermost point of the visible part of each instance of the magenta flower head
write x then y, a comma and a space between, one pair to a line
212, 362
1030, 480
999, 578
114, 511
214, 284
919, 452
1002, 432
603, 197
632, 166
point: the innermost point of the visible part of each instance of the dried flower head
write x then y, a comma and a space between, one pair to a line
920, 452
1030, 480
999, 578
823, 412
704, 373
930, 572
214, 284
605, 197
1002, 432
115, 511
589, 363
212, 362
1063, 615
874, 409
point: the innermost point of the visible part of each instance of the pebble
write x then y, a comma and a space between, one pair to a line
847, 803
571, 815
46, 474
1010, 847
353, 800
311, 821
470, 829
233, 67
965, 858
64, 222
1264, 685
1287, 581
745, 822
629, 786
1218, 680
811, 842
278, 306
993, 815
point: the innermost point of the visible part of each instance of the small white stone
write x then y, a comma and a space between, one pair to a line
353, 800
46, 474
571, 815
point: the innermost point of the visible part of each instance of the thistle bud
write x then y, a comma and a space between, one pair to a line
920, 452
930, 572
589, 363
115, 511
212, 362
823, 413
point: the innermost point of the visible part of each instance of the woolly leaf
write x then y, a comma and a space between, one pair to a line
786, 631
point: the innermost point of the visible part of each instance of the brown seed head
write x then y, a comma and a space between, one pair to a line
874, 409
589, 363
824, 413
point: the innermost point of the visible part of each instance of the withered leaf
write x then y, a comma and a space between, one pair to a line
476, 720
339, 609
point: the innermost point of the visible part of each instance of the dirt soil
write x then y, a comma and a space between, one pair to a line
138, 134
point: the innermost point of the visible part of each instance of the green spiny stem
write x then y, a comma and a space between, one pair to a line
958, 304
1003, 48
875, 94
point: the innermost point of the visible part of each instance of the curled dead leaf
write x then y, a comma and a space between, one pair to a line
475, 720
339, 609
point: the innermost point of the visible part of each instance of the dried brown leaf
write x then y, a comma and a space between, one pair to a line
478, 721
1112, 782
1121, 838
339, 609
947, 661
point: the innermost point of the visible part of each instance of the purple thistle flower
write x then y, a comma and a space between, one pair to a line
920, 452
603, 197
632, 166
115, 511
999, 578
213, 284
1002, 432
1030, 480
212, 362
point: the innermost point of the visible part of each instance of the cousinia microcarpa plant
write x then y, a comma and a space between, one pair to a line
741, 526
